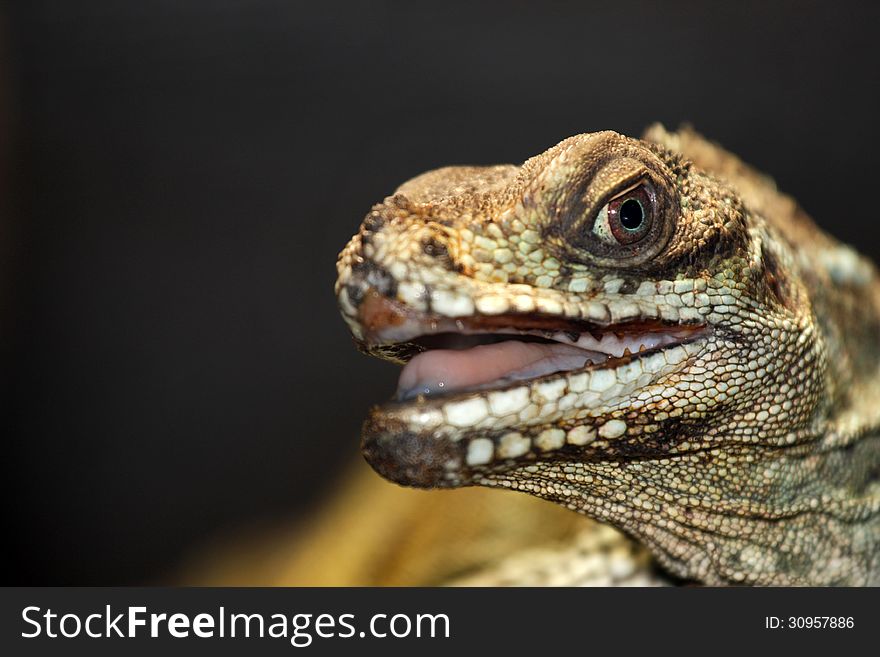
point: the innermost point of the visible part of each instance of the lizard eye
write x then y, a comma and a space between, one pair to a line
627, 218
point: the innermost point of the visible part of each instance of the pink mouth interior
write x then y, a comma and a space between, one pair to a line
446, 370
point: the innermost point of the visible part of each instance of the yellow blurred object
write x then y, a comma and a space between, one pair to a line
374, 533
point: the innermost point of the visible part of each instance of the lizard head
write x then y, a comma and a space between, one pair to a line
602, 326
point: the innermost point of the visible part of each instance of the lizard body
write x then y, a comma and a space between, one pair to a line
644, 331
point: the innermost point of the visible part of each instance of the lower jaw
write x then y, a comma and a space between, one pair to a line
427, 442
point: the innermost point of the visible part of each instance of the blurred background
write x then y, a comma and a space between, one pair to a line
176, 179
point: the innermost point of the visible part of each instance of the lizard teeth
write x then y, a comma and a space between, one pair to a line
473, 361
621, 344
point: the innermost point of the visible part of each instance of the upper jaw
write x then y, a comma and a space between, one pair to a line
498, 350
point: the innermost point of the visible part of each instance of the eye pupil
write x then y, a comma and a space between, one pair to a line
632, 214
627, 220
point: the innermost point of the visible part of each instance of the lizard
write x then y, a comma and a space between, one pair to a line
644, 331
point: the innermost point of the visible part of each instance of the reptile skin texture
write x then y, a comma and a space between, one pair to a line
724, 411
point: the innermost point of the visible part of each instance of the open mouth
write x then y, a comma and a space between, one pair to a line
445, 356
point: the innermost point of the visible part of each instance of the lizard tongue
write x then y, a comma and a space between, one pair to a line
448, 370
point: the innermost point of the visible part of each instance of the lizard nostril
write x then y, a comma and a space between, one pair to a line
434, 248
374, 222
368, 275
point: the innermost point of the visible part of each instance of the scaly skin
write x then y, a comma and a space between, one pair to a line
748, 453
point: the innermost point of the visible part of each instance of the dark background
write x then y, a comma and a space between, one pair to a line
180, 176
